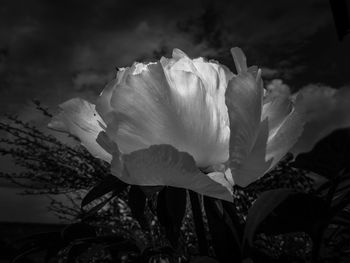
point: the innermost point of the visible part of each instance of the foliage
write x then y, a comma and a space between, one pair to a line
283, 217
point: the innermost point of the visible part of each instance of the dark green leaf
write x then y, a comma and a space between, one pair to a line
96, 208
171, 208
283, 211
342, 218
299, 212
262, 207
329, 156
75, 250
223, 230
108, 184
199, 227
158, 254
231, 218
137, 204
151, 190
121, 248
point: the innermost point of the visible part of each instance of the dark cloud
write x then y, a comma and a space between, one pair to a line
55, 50
296, 39
49, 43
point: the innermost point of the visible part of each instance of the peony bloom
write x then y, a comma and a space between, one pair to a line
186, 123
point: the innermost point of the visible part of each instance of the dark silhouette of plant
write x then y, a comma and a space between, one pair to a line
282, 217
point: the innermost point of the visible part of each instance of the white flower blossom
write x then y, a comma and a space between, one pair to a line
186, 123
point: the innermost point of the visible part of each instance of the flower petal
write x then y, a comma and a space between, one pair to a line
103, 103
285, 136
79, 117
255, 165
276, 111
244, 102
106, 143
147, 110
277, 105
164, 165
239, 59
249, 134
140, 109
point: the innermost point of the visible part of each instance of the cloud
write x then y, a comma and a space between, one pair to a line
91, 80
277, 88
268, 73
327, 109
47, 54
297, 40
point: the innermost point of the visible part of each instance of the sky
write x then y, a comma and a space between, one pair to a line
56, 50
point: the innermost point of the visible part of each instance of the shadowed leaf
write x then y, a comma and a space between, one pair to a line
137, 204
223, 230
108, 184
171, 208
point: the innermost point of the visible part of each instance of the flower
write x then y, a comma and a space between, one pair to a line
186, 123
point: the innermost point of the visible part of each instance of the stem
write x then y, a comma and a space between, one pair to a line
198, 223
317, 243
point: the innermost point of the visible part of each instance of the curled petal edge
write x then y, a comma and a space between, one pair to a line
79, 118
165, 165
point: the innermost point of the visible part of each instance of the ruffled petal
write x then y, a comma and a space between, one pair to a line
198, 89
79, 118
164, 165
103, 105
103, 102
141, 112
147, 110
215, 78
